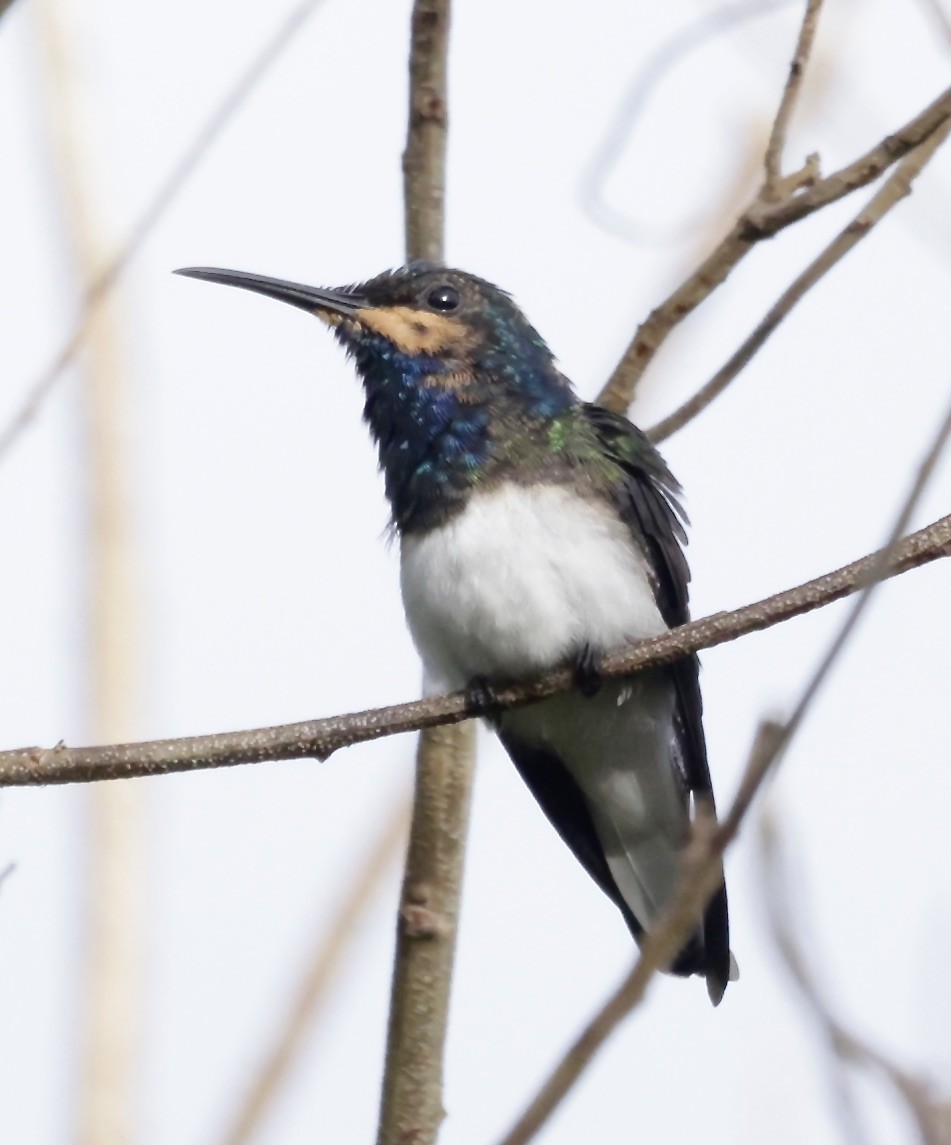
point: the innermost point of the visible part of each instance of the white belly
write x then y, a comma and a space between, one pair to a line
521, 579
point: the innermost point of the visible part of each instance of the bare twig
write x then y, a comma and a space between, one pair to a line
930, 1113
411, 1108
6, 873
4, 5
896, 188
102, 282
803, 193
274, 1071
772, 160
764, 220
318, 739
701, 874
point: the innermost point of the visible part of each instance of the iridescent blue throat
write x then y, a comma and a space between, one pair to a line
433, 443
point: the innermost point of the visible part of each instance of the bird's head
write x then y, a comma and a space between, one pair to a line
456, 379
431, 325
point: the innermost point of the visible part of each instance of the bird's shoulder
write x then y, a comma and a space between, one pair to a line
647, 496
624, 467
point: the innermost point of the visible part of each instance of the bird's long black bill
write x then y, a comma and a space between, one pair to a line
310, 298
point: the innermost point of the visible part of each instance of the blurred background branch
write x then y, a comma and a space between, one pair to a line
928, 1110
106, 271
667, 57
112, 998
274, 1071
938, 13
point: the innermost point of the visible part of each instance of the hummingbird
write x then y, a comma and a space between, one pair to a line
536, 531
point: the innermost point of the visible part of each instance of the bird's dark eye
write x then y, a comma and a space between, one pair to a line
444, 297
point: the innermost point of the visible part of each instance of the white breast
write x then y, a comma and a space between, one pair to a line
518, 581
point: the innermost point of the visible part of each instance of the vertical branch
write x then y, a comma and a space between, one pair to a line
424, 158
412, 1108
772, 161
111, 999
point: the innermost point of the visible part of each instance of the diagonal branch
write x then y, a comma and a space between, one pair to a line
802, 194
318, 739
702, 869
701, 873
896, 188
930, 1110
102, 283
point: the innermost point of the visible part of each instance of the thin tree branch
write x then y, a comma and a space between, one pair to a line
424, 157
895, 188
872, 576
803, 193
702, 870
772, 160
930, 1113
318, 739
168, 191
324, 965
4, 5
764, 220
411, 1107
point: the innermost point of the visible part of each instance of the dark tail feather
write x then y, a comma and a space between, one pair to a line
707, 953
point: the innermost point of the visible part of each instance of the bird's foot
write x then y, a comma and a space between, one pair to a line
588, 678
481, 697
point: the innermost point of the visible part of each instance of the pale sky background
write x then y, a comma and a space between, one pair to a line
268, 594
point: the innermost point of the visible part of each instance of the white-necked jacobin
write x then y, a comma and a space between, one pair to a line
535, 531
